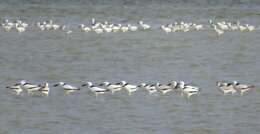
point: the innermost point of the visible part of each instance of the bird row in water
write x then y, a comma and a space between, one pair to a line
181, 27
107, 27
18, 25
104, 87
233, 87
185, 89
223, 26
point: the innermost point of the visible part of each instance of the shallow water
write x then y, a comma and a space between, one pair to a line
145, 56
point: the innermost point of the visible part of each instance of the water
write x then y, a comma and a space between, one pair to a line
197, 57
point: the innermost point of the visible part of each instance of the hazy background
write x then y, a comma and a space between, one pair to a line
201, 58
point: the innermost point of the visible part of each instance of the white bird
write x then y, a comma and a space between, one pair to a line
98, 30
166, 29
163, 88
108, 29
241, 28
226, 87
94, 89
112, 87
67, 88
116, 28
129, 87
93, 21
174, 85
132, 28
124, 29
84, 28
250, 27
29, 87
150, 88
197, 27
7, 28
55, 26
16, 87
188, 90
20, 29
219, 31
144, 26
242, 88
222, 25
45, 89
232, 27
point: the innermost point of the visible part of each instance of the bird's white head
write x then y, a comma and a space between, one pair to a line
106, 83
123, 83
182, 84
174, 83
143, 84
22, 82
235, 82
89, 84
46, 84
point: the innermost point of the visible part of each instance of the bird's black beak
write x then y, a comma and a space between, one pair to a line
84, 85
101, 84
119, 83
17, 84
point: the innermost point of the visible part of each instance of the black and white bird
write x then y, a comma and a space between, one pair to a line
174, 85
67, 88
226, 87
16, 88
94, 89
129, 87
45, 89
148, 87
112, 87
188, 90
242, 88
29, 87
163, 88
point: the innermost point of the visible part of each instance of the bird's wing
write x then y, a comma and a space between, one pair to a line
69, 87
97, 89
131, 86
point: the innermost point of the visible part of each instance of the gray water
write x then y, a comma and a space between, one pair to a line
146, 56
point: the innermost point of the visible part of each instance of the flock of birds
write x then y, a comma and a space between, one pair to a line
185, 89
106, 27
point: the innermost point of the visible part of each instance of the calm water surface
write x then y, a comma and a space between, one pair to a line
152, 56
